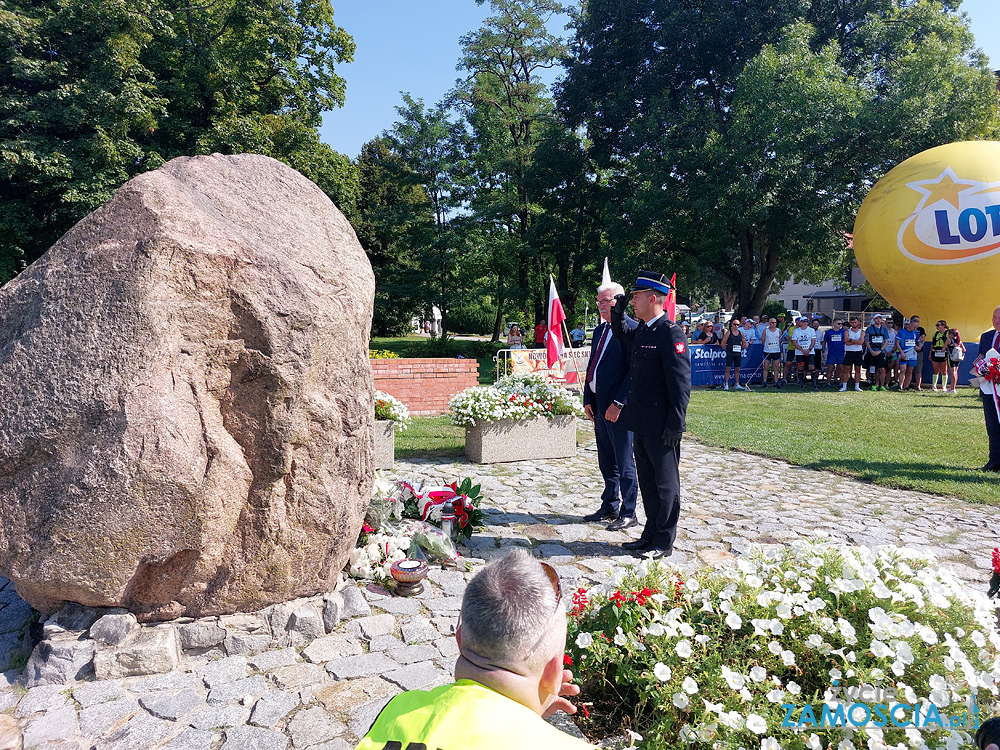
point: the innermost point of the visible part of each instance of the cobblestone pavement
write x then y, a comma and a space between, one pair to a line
325, 695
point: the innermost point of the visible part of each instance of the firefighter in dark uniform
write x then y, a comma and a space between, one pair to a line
658, 394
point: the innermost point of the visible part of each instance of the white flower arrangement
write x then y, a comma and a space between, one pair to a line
513, 397
373, 560
390, 407
810, 625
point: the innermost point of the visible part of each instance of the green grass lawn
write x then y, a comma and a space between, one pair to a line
923, 441
421, 346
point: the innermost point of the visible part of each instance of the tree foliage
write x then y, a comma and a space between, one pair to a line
93, 92
739, 137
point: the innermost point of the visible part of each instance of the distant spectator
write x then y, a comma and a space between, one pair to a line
540, 330
749, 332
833, 343
854, 344
577, 336
772, 351
876, 336
707, 335
920, 349
735, 343
956, 353
515, 339
940, 342
759, 326
687, 331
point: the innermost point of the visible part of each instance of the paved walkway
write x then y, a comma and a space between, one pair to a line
325, 695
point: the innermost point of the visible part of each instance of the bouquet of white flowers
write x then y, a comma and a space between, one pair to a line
513, 397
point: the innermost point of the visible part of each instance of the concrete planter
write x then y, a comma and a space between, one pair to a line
521, 440
385, 443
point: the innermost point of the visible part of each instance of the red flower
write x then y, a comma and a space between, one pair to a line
996, 560
367, 529
567, 660
618, 599
586, 713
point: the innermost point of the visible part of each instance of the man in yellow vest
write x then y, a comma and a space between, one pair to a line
509, 674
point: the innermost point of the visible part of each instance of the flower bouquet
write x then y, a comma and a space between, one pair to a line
995, 578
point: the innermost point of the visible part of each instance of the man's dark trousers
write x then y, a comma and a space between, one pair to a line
992, 429
660, 484
989, 407
614, 457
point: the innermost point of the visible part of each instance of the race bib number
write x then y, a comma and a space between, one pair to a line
877, 340
737, 349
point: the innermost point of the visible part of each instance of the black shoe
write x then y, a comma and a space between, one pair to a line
656, 553
602, 515
990, 467
623, 522
638, 544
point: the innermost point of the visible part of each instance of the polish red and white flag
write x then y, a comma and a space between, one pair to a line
553, 339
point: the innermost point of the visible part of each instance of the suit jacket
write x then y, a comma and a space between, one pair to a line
612, 378
660, 377
986, 343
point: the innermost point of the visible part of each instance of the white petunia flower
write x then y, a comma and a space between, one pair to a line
681, 700
734, 621
683, 649
756, 723
689, 686
788, 658
758, 674
793, 687
769, 743
776, 695
774, 647
662, 672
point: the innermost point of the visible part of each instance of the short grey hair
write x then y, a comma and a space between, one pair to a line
505, 610
614, 287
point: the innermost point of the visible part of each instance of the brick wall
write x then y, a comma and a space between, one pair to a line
425, 385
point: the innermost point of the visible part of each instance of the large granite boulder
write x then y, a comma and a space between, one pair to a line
185, 397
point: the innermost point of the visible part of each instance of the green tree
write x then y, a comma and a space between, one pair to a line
93, 92
508, 108
432, 146
744, 135
391, 206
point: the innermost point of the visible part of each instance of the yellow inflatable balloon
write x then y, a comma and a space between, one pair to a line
927, 237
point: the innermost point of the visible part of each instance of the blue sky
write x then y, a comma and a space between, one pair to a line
404, 45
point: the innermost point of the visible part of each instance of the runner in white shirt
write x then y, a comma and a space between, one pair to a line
772, 351
803, 338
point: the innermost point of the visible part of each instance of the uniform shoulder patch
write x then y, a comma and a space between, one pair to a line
679, 347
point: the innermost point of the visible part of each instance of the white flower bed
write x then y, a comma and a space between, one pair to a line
514, 397
731, 658
390, 407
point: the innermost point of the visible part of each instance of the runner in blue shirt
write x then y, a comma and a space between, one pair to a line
906, 342
833, 341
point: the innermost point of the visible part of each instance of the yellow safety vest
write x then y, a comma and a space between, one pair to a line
463, 716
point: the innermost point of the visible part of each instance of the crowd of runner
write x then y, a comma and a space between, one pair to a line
882, 356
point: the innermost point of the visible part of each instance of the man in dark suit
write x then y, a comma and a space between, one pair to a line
659, 390
991, 340
605, 394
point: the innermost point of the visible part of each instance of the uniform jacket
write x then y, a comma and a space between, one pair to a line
612, 379
660, 377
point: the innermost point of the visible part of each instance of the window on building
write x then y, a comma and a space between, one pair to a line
810, 305
795, 304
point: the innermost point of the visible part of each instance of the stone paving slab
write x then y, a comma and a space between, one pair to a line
325, 695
